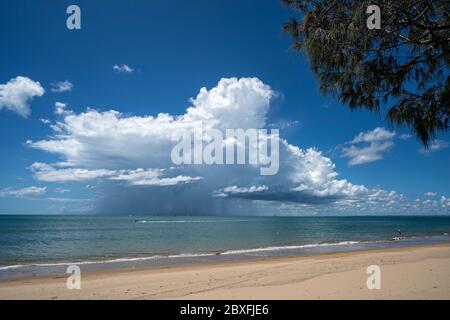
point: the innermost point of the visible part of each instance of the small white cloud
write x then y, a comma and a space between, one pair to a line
235, 190
60, 108
123, 68
377, 134
46, 172
435, 146
61, 86
371, 153
16, 94
284, 124
45, 121
430, 194
151, 177
378, 142
54, 199
61, 190
405, 136
22, 193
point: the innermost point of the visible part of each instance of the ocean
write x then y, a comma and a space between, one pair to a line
35, 245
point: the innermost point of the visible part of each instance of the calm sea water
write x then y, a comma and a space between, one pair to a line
34, 245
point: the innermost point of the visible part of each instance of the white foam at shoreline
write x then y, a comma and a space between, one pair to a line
181, 255
204, 254
118, 260
79, 263
313, 245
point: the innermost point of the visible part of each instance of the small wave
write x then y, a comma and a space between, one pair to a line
118, 260
58, 264
13, 267
181, 255
193, 255
313, 245
188, 221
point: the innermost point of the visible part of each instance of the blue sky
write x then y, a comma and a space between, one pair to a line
173, 49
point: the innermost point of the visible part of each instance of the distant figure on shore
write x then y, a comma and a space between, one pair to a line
399, 232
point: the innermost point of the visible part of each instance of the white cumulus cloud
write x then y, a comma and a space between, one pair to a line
123, 68
130, 156
61, 86
60, 108
23, 192
16, 94
368, 146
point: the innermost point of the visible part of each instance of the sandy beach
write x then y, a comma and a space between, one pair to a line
406, 273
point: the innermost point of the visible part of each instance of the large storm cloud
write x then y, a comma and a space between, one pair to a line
129, 159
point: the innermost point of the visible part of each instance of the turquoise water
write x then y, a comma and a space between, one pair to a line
30, 244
